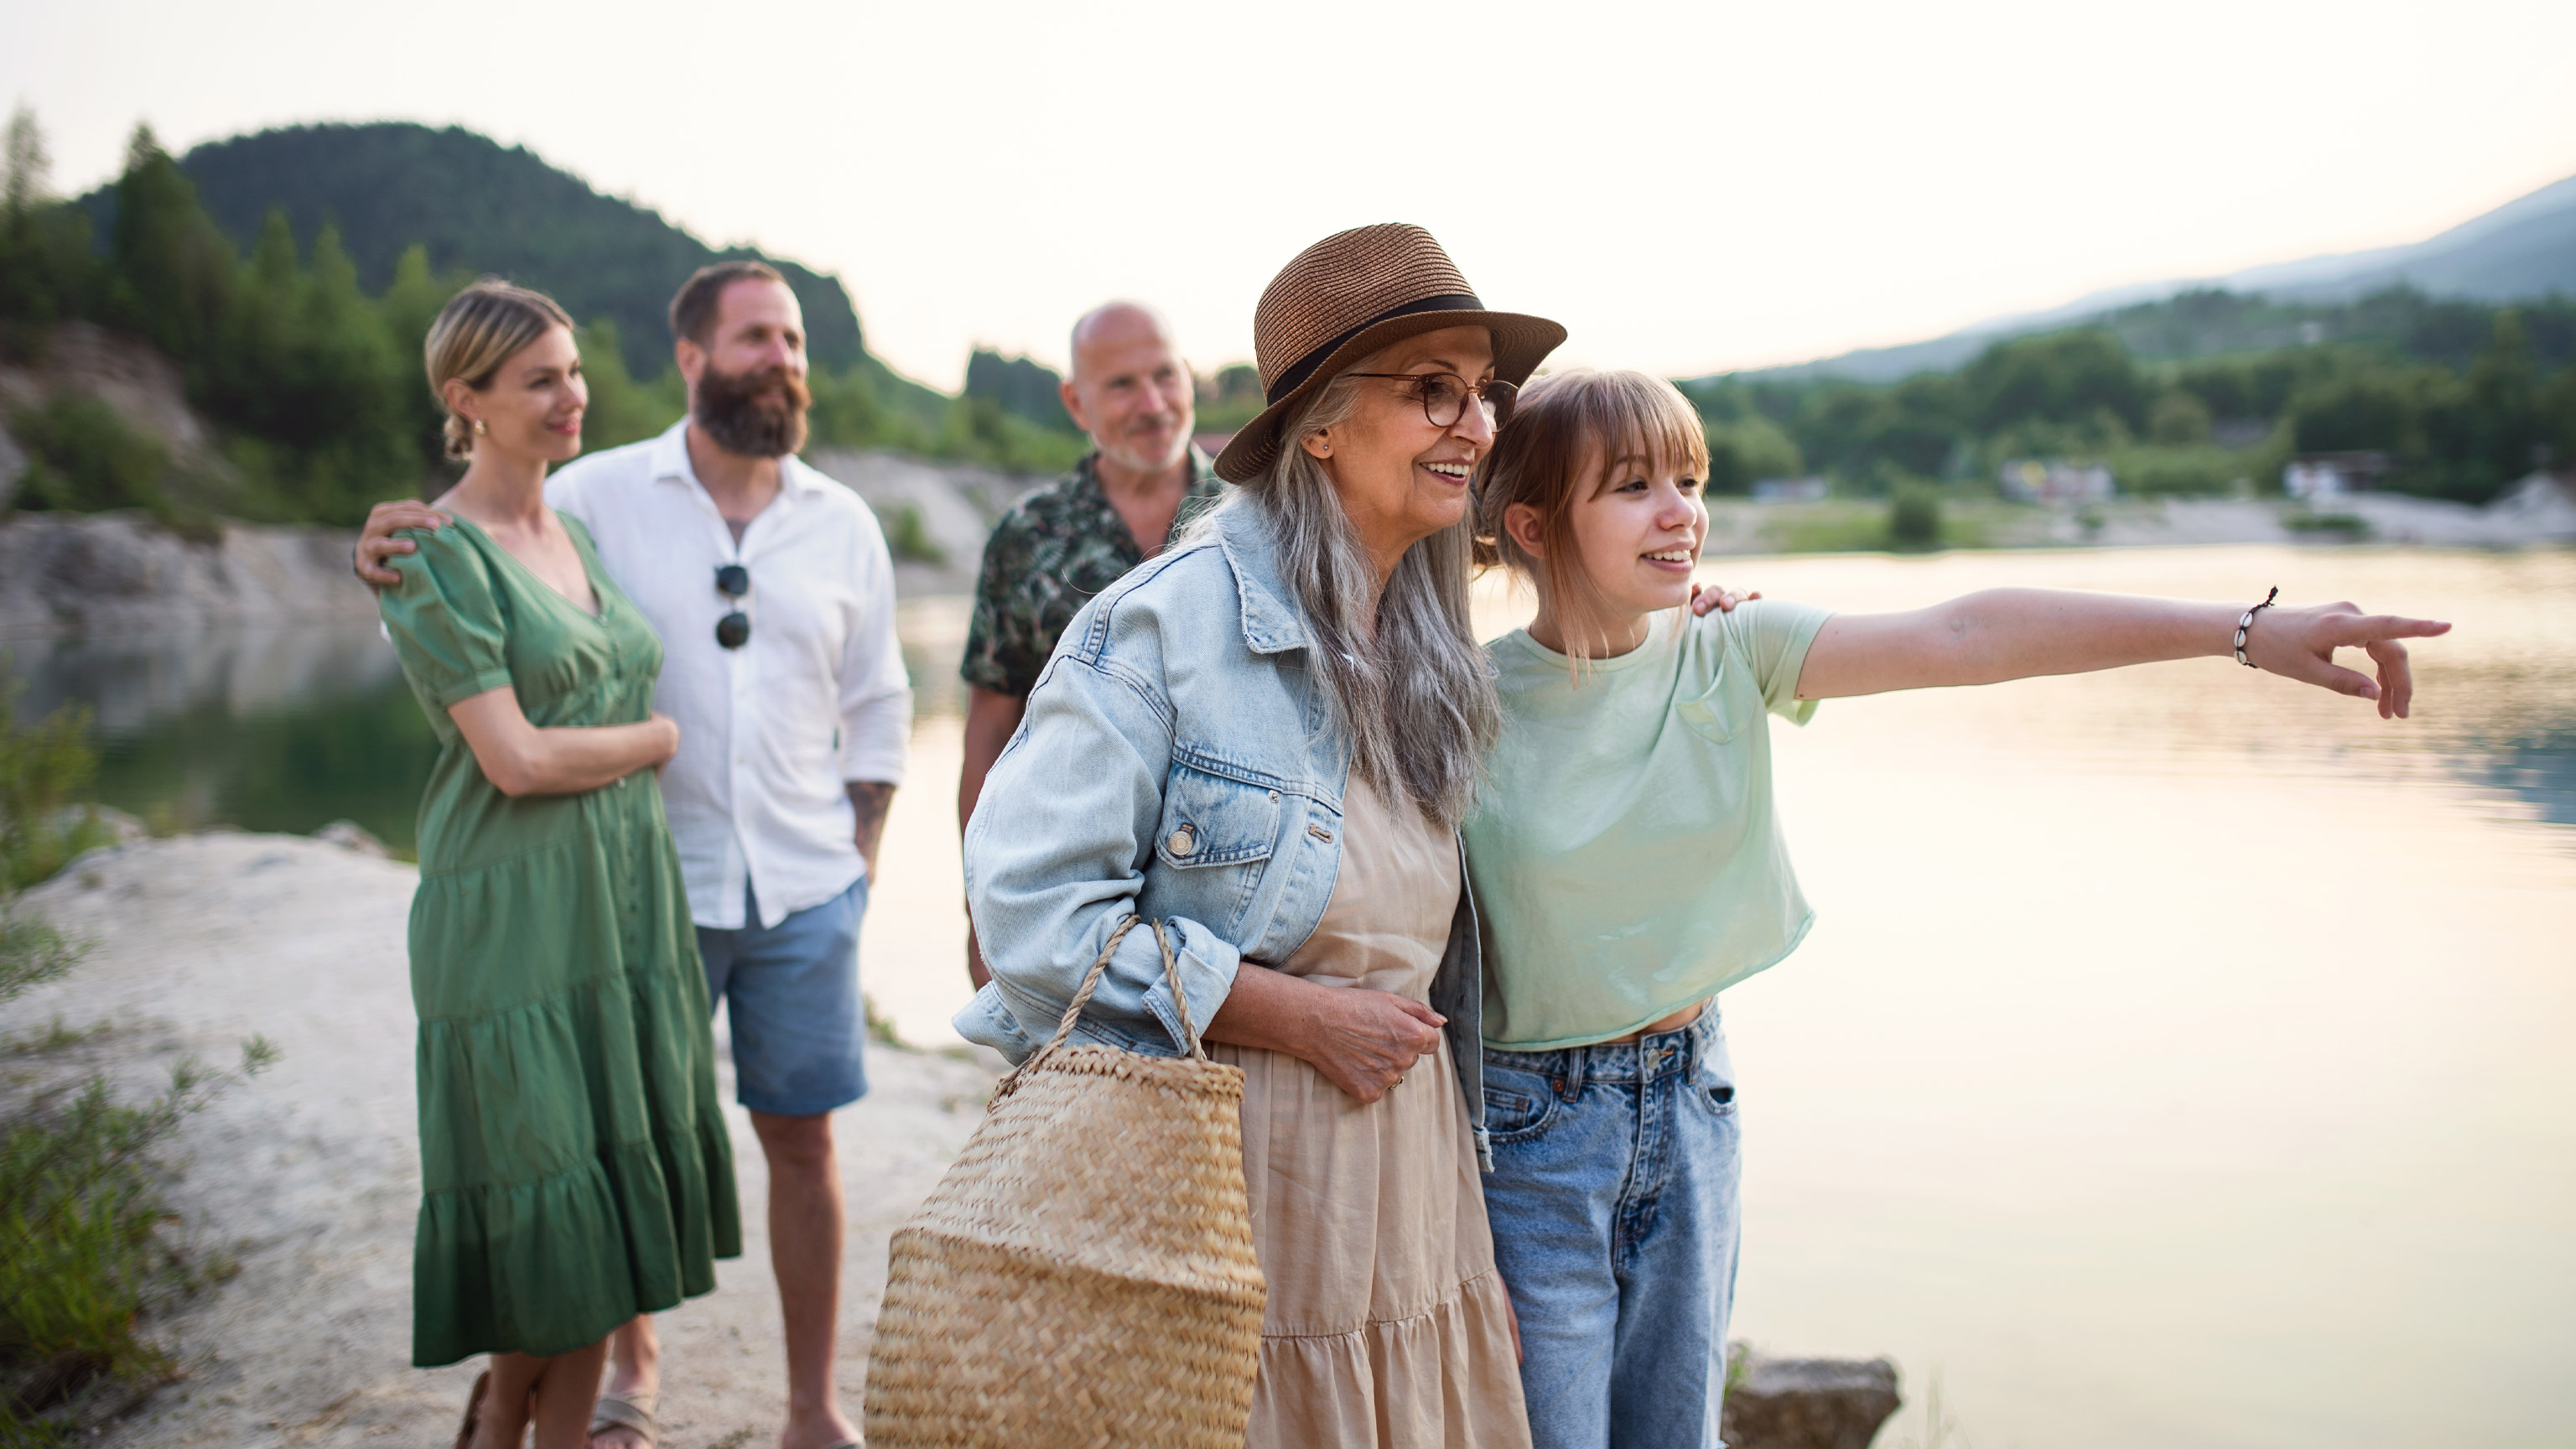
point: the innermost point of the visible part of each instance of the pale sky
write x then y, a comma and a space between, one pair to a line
1686, 187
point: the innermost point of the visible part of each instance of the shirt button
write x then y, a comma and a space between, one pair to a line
1183, 841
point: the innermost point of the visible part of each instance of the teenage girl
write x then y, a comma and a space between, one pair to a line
1629, 866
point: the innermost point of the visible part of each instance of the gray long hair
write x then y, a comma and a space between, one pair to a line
1412, 692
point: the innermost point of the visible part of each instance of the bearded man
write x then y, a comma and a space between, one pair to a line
774, 596
1127, 499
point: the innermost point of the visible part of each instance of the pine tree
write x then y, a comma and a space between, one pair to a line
45, 261
26, 168
172, 269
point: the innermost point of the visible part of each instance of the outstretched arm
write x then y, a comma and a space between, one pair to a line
2000, 634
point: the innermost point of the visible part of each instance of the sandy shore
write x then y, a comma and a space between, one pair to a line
309, 1174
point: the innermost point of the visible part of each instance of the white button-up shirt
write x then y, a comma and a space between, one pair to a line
769, 733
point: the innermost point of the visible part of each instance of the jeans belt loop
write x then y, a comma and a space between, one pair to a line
1574, 1059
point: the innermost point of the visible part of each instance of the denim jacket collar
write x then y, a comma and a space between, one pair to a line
1272, 622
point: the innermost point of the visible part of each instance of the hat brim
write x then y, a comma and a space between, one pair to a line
1521, 343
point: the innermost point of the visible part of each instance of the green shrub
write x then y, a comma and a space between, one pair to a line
2352, 527
84, 458
43, 768
31, 953
1914, 519
909, 539
85, 1254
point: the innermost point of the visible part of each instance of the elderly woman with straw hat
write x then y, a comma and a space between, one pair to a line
1264, 740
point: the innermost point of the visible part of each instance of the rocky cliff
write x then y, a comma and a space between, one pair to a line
122, 573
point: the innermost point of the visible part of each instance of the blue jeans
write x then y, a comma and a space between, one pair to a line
799, 1025
1613, 1200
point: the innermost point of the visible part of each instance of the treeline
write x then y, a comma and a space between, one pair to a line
2465, 399
313, 384
479, 206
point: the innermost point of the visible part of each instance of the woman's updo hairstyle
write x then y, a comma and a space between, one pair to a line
479, 329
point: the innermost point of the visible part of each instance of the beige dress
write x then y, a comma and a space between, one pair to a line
1387, 1324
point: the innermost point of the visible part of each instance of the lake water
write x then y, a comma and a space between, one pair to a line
2181, 1056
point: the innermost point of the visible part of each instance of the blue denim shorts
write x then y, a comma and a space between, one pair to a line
1615, 1215
791, 995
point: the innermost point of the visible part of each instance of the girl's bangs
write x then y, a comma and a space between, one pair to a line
1644, 421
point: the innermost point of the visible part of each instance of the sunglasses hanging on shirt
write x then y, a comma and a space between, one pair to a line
734, 582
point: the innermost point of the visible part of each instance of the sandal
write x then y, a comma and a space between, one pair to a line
473, 1411
633, 1413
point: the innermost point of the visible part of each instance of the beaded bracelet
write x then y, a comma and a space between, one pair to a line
2248, 622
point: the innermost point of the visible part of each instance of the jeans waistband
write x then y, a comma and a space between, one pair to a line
1647, 1059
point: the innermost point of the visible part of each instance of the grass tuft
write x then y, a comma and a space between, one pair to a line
881, 1026
88, 1244
87, 1251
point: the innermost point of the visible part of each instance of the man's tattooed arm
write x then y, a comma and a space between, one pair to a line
869, 799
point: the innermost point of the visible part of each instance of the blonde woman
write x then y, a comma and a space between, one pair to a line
575, 1166
1265, 739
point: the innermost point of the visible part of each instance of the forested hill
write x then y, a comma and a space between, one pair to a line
2521, 252
300, 356
479, 207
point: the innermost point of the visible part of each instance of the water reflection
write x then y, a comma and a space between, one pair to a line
273, 729
2541, 772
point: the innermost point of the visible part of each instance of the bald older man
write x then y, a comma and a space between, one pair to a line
1121, 505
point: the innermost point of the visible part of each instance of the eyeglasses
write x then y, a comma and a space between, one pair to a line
734, 629
1444, 395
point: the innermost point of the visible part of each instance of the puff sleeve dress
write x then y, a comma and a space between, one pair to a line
574, 1159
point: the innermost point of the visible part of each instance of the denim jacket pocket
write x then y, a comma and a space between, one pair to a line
1209, 820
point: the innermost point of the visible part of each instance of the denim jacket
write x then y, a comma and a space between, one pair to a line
1179, 761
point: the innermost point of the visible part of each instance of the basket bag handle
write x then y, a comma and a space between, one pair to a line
1082, 998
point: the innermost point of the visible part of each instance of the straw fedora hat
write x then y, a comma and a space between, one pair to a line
1349, 295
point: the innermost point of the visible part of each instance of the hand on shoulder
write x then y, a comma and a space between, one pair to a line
1717, 597
378, 541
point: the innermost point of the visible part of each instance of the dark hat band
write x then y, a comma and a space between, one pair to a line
1295, 377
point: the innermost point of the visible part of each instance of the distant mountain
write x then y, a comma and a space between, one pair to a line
1017, 385
2522, 250
480, 207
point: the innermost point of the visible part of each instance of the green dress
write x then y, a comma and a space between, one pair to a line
575, 1167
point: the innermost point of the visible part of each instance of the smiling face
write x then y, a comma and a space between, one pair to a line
1635, 528
1130, 390
1593, 494
1401, 479
746, 380
1637, 532
532, 407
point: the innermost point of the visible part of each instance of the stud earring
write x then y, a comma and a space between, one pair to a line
479, 429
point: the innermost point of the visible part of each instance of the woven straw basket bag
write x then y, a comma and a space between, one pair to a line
1084, 1275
